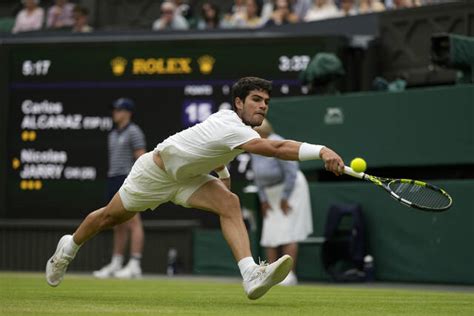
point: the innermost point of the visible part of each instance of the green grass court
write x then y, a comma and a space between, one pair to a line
28, 294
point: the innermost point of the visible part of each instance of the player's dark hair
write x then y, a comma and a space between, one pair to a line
241, 89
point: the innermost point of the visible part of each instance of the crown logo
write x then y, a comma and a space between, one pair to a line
206, 64
118, 65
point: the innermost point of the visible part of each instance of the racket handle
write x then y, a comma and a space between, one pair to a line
352, 173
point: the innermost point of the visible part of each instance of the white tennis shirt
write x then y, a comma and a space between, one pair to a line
205, 146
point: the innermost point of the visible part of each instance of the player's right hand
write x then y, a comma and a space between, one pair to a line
332, 161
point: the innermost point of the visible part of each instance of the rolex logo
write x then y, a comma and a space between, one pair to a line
206, 63
118, 65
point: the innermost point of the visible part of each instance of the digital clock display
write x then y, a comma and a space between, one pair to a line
35, 68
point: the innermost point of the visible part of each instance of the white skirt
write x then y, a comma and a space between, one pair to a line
280, 229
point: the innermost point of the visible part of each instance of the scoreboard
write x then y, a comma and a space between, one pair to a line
59, 93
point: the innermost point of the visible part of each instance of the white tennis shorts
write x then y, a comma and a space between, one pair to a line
147, 186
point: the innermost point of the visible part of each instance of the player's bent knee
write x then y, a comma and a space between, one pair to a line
229, 205
109, 219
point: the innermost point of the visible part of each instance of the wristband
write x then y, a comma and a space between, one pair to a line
309, 152
223, 174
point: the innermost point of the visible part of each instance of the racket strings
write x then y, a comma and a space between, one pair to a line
423, 196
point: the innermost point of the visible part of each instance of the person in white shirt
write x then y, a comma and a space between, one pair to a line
60, 15
177, 170
170, 18
31, 18
321, 10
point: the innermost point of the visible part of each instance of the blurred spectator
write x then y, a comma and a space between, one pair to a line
170, 19
348, 7
282, 14
369, 6
322, 9
184, 9
267, 10
235, 13
210, 16
238, 7
60, 15
251, 17
30, 18
300, 8
81, 20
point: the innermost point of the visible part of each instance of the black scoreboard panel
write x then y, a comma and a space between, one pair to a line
59, 97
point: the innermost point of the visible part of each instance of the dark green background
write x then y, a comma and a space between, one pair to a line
423, 127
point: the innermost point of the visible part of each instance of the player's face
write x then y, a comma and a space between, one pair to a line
254, 108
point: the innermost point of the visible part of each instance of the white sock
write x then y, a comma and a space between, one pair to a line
135, 260
71, 248
137, 256
246, 266
117, 260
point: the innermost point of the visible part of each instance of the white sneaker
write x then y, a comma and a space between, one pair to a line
131, 271
107, 271
265, 276
57, 265
290, 279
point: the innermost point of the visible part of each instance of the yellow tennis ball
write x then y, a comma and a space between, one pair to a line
358, 164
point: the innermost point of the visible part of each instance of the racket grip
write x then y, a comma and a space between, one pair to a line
352, 173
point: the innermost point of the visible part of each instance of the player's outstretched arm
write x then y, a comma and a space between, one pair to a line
293, 150
281, 149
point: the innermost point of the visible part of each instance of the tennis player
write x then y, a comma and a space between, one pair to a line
178, 170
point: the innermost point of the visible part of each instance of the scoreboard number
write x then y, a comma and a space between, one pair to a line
293, 63
35, 68
196, 112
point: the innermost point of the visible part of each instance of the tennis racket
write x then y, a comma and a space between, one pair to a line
412, 193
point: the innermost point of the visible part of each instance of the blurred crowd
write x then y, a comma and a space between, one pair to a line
206, 15
61, 15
